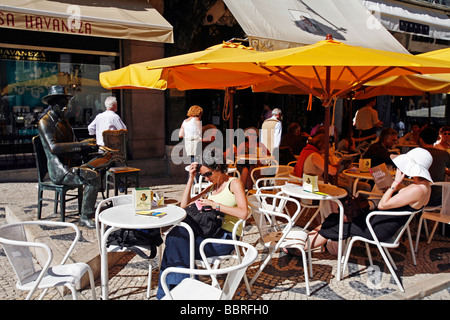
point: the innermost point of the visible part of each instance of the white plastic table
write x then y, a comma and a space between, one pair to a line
357, 175
333, 194
125, 217
253, 159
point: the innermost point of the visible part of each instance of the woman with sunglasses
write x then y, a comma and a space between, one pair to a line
225, 194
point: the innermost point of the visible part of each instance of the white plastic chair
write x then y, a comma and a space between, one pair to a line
232, 169
215, 261
198, 186
284, 171
263, 171
383, 247
100, 229
292, 164
435, 213
275, 228
270, 183
192, 289
32, 278
274, 186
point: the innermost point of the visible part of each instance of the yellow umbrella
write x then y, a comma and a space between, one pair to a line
187, 72
167, 73
441, 54
330, 69
411, 85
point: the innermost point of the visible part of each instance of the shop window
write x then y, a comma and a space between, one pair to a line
26, 75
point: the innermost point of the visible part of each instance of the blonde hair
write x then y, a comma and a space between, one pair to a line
195, 111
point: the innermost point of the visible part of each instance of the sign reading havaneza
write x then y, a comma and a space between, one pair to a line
20, 54
17, 20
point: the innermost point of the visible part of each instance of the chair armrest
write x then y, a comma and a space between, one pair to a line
389, 213
60, 224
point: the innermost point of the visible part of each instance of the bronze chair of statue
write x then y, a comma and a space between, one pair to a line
120, 173
44, 183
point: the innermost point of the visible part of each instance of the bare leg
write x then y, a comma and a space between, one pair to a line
315, 239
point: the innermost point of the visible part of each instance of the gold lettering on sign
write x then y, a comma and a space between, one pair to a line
16, 54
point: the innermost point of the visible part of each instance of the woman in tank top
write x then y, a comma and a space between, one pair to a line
225, 194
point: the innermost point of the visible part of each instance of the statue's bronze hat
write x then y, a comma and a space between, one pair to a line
56, 91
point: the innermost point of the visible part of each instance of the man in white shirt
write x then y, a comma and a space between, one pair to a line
366, 119
271, 131
107, 120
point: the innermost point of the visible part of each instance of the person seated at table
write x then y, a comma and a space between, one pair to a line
311, 160
294, 138
346, 136
440, 168
443, 142
227, 195
253, 148
379, 152
411, 137
412, 197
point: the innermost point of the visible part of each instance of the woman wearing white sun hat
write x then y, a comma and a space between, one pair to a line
413, 197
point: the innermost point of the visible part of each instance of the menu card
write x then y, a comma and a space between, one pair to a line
142, 199
310, 183
382, 177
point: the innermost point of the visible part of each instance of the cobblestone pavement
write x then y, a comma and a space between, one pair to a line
281, 280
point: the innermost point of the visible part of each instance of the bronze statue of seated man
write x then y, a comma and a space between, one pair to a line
61, 147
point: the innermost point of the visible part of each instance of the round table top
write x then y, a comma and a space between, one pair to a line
358, 174
254, 157
125, 216
327, 192
230, 169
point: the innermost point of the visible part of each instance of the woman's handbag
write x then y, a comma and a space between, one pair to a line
354, 207
205, 222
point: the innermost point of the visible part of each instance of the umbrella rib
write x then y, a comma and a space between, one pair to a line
290, 78
318, 78
360, 83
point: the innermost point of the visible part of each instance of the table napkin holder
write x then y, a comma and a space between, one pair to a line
142, 199
310, 183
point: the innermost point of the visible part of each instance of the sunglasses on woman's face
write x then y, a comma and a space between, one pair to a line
207, 174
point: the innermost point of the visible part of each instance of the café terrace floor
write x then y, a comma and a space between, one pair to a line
283, 279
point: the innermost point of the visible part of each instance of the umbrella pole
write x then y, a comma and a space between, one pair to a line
327, 143
327, 103
350, 125
228, 106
